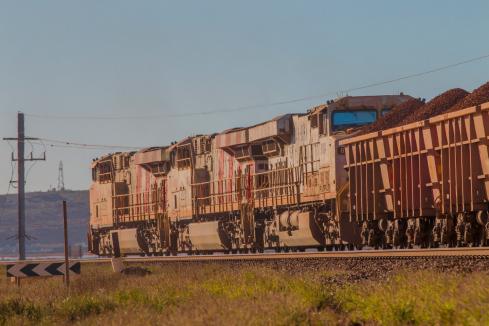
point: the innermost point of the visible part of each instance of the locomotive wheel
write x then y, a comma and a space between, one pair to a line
382, 224
482, 218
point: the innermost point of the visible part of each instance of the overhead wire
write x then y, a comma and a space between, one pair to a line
419, 74
10, 185
262, 105
29, 169
83, 147
32, 163
70, 144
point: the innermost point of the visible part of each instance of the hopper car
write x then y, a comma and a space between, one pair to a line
425, 183
299, 181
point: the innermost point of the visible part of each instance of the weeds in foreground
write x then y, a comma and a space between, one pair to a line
422, 298
218, 294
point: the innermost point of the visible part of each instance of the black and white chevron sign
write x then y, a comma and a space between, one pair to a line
41, 269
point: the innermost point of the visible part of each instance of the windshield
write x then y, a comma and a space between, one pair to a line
349, 119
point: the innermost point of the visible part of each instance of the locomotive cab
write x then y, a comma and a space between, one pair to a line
327, 181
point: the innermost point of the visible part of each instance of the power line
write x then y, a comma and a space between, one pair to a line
29, 169
427, 72
82, 147
70, 144
10, 184
263, 105
33, 163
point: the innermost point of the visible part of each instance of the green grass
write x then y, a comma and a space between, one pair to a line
422, 298
222, 295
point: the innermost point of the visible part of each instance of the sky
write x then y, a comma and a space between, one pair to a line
159, 58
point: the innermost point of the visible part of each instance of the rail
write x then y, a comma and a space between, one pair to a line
482, 253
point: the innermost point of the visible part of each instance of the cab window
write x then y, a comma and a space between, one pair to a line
342, 120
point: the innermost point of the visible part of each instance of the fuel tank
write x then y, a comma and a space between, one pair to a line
303, 230
125, 241
208, 236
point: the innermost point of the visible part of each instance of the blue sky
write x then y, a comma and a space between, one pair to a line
165, 57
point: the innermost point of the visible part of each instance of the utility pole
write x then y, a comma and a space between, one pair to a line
21, 183
21, 179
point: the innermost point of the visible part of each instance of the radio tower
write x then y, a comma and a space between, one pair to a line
61, 178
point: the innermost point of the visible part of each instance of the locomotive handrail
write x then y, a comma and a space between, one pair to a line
215, 180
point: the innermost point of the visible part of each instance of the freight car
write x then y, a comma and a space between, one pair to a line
281, 184
426, 182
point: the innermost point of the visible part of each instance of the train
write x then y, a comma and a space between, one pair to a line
300, 181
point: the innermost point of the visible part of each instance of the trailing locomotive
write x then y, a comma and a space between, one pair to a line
279, 184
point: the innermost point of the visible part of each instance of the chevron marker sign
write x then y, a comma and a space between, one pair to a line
41, 269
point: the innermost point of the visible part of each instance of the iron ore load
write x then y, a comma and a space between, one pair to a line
336, 177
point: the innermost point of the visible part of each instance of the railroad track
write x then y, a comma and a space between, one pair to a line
367, 254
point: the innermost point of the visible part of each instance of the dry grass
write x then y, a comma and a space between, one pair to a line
221, 295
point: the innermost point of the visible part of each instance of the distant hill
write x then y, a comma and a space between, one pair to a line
44, 221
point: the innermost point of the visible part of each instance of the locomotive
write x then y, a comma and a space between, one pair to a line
298, 181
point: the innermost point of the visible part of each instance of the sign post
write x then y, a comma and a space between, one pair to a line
23, 269
67, 264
